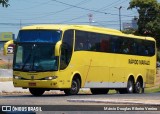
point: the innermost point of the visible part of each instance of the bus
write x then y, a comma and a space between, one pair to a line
70, 57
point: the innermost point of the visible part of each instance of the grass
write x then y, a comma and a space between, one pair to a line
152, 90
5, 65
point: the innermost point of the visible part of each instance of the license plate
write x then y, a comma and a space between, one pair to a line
32, 83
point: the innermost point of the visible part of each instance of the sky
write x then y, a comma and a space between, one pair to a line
104, 13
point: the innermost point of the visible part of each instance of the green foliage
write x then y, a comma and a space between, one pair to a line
152, 90
149, 18
6, 66
129, 31
158, 55
4, 3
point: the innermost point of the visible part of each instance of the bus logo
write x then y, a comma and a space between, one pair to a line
32, 77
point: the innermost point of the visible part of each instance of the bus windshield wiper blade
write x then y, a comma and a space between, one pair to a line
26, 61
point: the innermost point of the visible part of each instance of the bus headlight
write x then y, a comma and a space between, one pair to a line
50, 77
17, 77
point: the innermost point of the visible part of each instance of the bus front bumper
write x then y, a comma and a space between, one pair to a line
48, 84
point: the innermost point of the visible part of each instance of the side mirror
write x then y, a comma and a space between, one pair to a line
5, 50
57, 48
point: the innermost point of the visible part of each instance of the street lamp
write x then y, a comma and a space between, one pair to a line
119, 17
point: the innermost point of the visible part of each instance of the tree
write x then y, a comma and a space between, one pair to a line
148, 11
4, 3
149, 17
129, 31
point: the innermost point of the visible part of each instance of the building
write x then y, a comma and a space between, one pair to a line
131, 25
4, 37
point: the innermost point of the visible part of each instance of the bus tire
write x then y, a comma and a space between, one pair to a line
130, 86
138, 87
99, 90
129, 89
74, 88
36, 91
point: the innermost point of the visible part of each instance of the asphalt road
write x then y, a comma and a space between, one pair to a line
61, 99
82, 107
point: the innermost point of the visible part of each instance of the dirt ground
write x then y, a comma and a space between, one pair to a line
5, 65
2, 62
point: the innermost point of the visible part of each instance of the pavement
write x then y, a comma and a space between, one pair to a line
7, 86
118, 101
6, 73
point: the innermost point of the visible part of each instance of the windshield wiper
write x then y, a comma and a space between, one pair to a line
28, 58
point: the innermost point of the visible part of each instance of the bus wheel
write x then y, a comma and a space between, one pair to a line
138, 87
74, 88
129, 89
99, 90
36, 91
130, 86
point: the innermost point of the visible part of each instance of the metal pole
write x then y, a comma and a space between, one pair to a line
120, 17
20, 24
90, 18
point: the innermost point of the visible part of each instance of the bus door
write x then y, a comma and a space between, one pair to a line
65, 58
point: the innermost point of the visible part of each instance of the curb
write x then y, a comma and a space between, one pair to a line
117, 101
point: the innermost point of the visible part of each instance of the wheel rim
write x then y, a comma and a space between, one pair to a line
74, 87
130, 87
138, 87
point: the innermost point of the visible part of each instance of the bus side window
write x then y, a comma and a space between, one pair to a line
80, 41
80, 46
150, 51
113, 45
142, 50
103, 45
66, 49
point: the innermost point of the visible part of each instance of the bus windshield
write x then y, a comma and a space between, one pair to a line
35, 57
35, 50
51, 36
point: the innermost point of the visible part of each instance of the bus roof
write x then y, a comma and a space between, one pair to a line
63, 27
84, 28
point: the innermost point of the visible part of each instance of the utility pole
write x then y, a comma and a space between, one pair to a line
120, 28
20, 24
90, 18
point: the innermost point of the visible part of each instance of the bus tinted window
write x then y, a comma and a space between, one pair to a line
82, 40
66, 49
89, 41
51, 36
